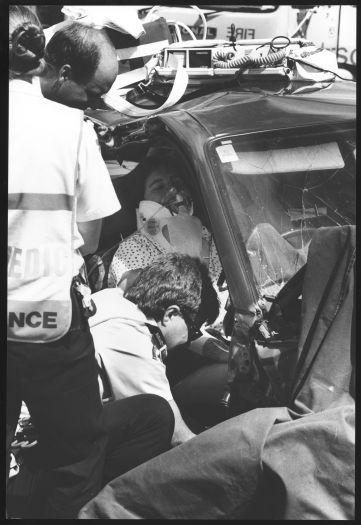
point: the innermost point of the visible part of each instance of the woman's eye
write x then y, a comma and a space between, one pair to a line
158, 188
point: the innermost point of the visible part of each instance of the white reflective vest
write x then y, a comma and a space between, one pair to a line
44, 139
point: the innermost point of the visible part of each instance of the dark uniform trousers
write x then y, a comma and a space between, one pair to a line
59, 383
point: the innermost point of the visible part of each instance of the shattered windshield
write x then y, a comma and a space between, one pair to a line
279, 189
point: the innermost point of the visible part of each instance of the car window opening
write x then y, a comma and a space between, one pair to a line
161, 207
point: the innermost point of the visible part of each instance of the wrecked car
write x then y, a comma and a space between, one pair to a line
273, 176
267, 169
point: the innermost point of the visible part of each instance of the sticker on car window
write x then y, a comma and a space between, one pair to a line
226, 153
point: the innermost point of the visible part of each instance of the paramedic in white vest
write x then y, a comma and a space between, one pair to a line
59, 188
57, 379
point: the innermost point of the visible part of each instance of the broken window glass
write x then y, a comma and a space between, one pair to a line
279, 189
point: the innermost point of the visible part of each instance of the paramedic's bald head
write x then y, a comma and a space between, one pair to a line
82, 66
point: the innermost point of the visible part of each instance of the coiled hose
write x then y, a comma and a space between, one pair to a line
221, 59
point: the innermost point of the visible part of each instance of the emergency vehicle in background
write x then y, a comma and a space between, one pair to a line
332, 27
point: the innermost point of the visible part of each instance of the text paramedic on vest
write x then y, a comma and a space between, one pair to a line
58, 185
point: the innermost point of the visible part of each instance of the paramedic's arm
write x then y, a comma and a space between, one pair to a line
181, 432
90, 231
96, 197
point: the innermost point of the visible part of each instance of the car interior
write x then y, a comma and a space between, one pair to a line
129, 190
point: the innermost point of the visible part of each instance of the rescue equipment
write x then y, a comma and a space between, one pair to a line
84, 292
157, 67
183, 66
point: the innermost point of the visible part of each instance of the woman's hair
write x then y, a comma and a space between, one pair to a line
175, 279
26, 42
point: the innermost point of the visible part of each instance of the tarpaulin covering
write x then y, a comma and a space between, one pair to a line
232, 470
327, 345
269, 463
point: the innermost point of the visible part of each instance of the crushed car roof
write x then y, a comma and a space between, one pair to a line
243, 110
253, 108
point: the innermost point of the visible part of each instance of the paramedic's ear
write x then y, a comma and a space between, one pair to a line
170, 312
65, 73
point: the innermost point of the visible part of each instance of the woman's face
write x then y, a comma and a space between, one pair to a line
166, 187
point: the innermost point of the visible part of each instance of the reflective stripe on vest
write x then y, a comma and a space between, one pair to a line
43, 169
40, 201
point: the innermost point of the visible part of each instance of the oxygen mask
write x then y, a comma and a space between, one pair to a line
178, 201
